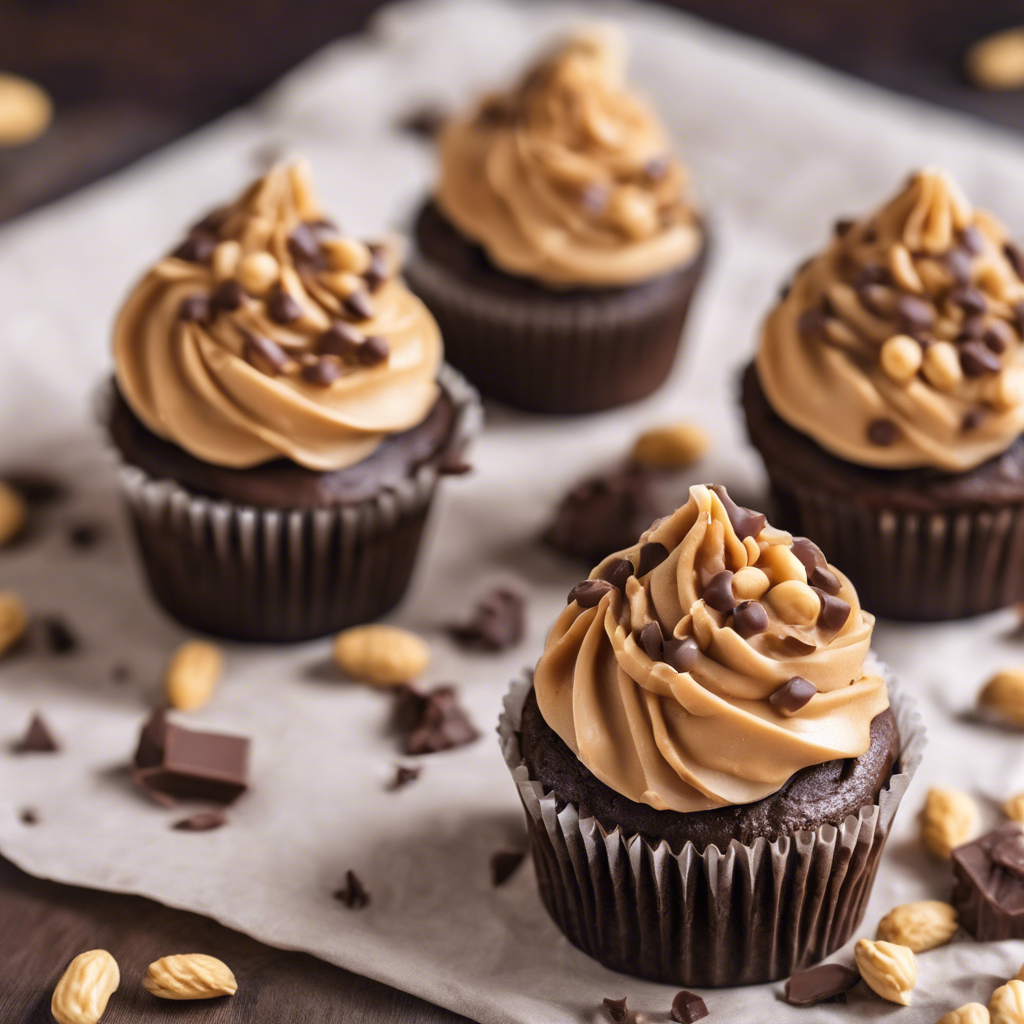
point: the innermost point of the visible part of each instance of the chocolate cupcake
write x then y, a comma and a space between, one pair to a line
887, 400
709, 758
560, 250
282, 414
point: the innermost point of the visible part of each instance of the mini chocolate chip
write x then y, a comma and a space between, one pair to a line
972, 240
264, 353
682, 654
1016, 258
652, 640
749, 618
1009, 855
843, 225
824, 579
809, 554
379, 269
718, 592
977, 359
58, 636
791, 696
197, 248
811, 324
282, 308
958, 263
834, 610
340, 339
373, 351
688, 1007
594, 199
999, 336
969, 299
353, 894
323, 373
972, 419
404, 775
617, 1009
746, 522
196, 308
504, 865
227, 296
618, 572
201, 821
29, 816
358, 304
303, 244
652, 554
589, 593
914, 313
883, 432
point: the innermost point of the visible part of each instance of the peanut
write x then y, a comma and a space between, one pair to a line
673, 446
919, 926
193, 674
385, 655
1003, 696
1007, 1003
84, 989
189, 976
949, 819
889, 970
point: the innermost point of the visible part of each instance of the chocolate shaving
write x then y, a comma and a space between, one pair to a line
201, 821
353, 893
498, 621
688, 1007
998, 336
820, 984
746, 522
504, 864
404, 776
432, 721
379, 269
652, 554
791, 696
588, 594
37, 738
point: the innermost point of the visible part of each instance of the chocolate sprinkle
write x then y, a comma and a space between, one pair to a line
618, 573
282, 308
688, 1007
37, 738
977, 359
432, 721
358, 305
353, 894
58, 636
746, 522
195, 309
323, 373
201, 821
824, 579
588, 594
227, 296
498, 621
374, 351
834, 610
617, 1009
340, 339
791, 696
681, 655
504, 864
263, 353
820, 984
652, 554
652, 640
749, 618
718, 593
883, 432
404, 776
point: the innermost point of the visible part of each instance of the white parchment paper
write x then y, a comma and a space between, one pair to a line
778, 149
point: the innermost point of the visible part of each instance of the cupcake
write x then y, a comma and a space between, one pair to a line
282, 415
709, 759
560, 250
887, 400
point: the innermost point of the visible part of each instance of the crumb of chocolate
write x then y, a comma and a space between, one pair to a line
353, 893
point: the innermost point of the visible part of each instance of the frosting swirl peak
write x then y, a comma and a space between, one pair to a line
269, 334
710, 662
567, 178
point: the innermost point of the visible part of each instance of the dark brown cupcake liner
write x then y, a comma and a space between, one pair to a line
563, 354
267, 574
749, 914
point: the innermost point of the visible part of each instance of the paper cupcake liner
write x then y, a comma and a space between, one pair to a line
913, 565
267, 574
560, 355
749, 914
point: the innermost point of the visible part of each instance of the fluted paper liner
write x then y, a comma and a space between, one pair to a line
748, 914
270, 574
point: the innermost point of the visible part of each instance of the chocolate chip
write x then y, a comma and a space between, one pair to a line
681, 655
29, 816
876, 297
999, 336
972, 240
791, 696
617, 1010
842, 226
85, 536
588, 594
303, 244
497, 623
618, 573
373, 351
883, 432
820, 984
379, 269
824, 579
718, 593
745, 522
749, 618
652, 640
834, 611
504, 864
809, 554
652, 554
915, 314
873, 273
1015, 257
424, 122
977, 359
340, 339
195, 309
282, 308
958, 263
972, 419
404, 775
37, 739
432, 721
358, 304
197, 248
263, 353
323, 372
58, 636
969, 299
353, 893
227, 296
688, 1007
201, 821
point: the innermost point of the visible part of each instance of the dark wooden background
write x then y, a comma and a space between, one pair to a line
130, 75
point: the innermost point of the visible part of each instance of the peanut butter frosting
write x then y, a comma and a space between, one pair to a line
710, 662
567, 178
267, 333
900, 345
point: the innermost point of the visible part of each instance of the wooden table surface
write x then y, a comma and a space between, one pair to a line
128, 76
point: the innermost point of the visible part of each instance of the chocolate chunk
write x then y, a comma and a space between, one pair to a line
374, 351
432, 721
340, 339
379, 269
498, 621
824, 579
809, 554
958, 263
263, 353
58, 636
186, 764
977, 359
972, 419
618, 572
652, 640
588, 594
834, 610
999, 336
883, 432
820, 984
323, 372
1015, 258
358, 304
746, 522
791, 696
404, 775
424, 122
682, 654
227, 297
969, 299
915, 314
652, 554
29, 816
972, 240
37, 738
989, 897
304, 245
688, 1007
85, 535
718, 593
201, 821
282, 308
195, 309
617, 1010
504, 864
749, 618
353, 893
197, 248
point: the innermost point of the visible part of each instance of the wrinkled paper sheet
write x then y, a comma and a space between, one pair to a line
778, 149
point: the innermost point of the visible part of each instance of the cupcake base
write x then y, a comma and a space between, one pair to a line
918, 544
533, 348
751, 913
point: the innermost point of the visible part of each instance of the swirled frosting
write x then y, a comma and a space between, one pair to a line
900, 344
268, 334
720, 659
567, 178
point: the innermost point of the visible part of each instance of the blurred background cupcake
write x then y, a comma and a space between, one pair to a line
709, 759
283, 414
560, 249
887, 400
